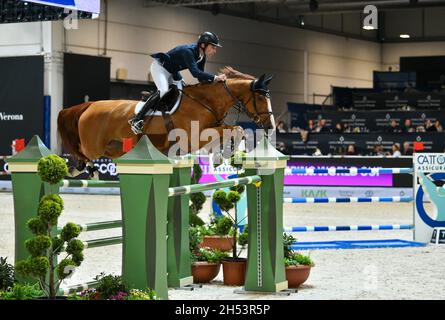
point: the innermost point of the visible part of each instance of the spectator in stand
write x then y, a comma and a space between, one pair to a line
407, 150
408, 126
338, 128
429, 127
311, 126
346, 128
351, 150
438, 126
396, 150
420, 128
378, 150
282, 147
322, 126
281, 127
393, 127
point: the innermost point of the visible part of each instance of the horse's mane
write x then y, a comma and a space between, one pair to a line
231, 74
235, 74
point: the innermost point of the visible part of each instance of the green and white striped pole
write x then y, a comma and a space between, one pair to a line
144, 175
265, 256
178, 251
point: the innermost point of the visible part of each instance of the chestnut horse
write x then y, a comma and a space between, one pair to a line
94, 129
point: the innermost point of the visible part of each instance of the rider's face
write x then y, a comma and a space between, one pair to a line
210, 50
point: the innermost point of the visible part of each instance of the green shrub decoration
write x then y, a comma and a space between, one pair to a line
21, 292
223, 226
243, 238
292, 258
44, 247
49, 210
195, 220
37, 226
197, 199
7, 277
209, 255
52, 169
112, 287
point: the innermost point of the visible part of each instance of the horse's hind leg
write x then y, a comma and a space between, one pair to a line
77, 170
92, 170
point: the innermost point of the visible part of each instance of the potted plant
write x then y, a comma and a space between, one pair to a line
218, 235
206, 262
298, 266
111, 287
45, 247
234, 268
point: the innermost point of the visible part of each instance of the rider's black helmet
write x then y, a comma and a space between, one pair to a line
209, 38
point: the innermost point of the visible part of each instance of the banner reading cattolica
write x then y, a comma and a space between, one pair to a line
429, 174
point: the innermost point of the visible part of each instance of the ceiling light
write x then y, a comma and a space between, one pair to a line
404, 36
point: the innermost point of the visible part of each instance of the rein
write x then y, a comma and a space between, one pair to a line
239, 106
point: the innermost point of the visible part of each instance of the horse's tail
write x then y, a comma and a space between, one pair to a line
68, 126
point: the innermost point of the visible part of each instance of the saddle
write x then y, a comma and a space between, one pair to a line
167, 104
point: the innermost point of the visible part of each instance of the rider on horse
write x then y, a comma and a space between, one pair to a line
165, 72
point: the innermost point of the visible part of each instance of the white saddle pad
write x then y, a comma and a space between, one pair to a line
140, 104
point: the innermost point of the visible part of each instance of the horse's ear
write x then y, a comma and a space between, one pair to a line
267, 80
261, 79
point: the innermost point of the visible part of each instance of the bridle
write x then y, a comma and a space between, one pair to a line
242, 107
239, 105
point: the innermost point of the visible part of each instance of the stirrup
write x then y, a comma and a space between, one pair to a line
137, 126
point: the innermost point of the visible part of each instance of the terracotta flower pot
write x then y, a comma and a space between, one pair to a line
223, 243
204, 272
234, 271
297, 275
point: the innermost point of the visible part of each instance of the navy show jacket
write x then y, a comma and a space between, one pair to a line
181, 58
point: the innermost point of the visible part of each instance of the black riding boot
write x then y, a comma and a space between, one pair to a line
137, 123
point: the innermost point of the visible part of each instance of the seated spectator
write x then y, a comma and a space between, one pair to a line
338, 128
317, 152
351, 150
295, 129
407, 150
282, 147
346, 128
396, 150
378, 150
438, 126
322, 126
420, 128
408, 126
429, 127
281, 127
393, 127
311, 126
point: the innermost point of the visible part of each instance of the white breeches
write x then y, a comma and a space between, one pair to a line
162, 78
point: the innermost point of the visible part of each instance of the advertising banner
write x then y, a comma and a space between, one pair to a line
429, 177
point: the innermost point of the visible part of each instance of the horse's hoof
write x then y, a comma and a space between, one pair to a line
73, 172
95, 175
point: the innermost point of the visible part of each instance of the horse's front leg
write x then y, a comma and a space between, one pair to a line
221, 140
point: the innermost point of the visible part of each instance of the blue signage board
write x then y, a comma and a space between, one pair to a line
92, 6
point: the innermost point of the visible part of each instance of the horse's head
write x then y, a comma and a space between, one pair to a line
259, 108
255, 97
